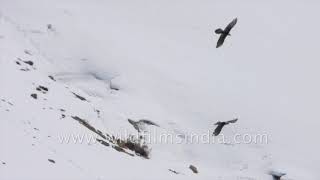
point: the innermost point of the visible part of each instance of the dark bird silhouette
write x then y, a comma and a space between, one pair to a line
276, 175
221, 124
226, 32
140, 125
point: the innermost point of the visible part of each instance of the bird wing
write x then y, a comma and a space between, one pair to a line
134, 124
232, 121
218, 129
148, 122
131, 121
276, 175
230, 26
221, 40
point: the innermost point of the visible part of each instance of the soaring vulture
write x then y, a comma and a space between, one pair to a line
221, 124
226, 32
276, 175
140, 125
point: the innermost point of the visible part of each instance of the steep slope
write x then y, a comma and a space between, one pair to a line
97, 63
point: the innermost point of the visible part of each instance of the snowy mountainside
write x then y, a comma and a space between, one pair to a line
86, 67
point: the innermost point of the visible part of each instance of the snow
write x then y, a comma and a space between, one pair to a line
161, 57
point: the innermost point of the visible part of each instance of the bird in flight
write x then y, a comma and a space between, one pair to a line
140, 125
226, 32
276, 175
221, 124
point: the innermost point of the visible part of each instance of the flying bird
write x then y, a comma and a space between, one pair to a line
226, 32
276, 175
221, 124
140, 125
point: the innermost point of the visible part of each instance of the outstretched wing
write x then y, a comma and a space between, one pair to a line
148, 122
232, 121
276, 175
131, 121
218, 129
230, 26
221, 40
134, 124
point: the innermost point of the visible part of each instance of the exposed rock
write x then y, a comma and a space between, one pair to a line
103, 142
114, 87
194, 169
27, 52
175, 172
50, 27
87, 125
52, 78
135, 146
79, 97
51, 160
98, 113
29, 63
24, 69
119, 149
35, 96
43, 89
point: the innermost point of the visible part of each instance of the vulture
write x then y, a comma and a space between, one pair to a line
140, 125
276, 175
221, 124
226, 32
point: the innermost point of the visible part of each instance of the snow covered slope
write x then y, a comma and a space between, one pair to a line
83, 68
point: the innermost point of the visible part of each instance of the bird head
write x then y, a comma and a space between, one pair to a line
218, 31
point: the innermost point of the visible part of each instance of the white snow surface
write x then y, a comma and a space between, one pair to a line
161, 56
